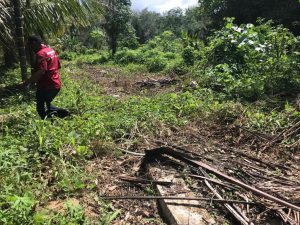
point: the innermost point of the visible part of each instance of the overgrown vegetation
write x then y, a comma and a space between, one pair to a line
246, 61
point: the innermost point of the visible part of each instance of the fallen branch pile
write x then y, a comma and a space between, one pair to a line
257, 183
284, 135
250, 188
272, 194
290, 134
150, 82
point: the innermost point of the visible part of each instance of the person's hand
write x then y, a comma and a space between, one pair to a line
23, 85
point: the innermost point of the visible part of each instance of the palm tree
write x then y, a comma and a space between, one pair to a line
40, 17
20, 37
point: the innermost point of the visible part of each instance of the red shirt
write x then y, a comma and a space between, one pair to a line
48, 60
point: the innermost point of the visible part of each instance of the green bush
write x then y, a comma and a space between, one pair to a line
154, 58
96, 39
69, 56
188, 55
156, 64
93, 59
126, 56
129, 38
134, 68
72, 44
165, 42
177, 66
105, 57
156, 55
248, 61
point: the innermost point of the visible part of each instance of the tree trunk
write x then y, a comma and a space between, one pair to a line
20, 37
298, 102
113, 39
113, 45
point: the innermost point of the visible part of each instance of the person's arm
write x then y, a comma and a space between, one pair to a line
39, 71
35, 77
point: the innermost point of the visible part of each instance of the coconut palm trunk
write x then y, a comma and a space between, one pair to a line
20, 37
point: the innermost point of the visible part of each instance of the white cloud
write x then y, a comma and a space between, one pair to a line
162, 5
167, 5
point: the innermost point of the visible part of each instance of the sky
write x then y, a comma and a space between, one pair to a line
161, 5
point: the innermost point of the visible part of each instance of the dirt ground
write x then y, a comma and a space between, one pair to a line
216, 144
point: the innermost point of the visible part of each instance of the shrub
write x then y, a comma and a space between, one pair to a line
72, 44
165, 42
104, 58
132, 68
96, 39
126, 56
156, 64
129, 38
248, 61
188, 56
69, 56
93, 59
177, 66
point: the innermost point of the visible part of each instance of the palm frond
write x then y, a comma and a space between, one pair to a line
47, 16
5, 23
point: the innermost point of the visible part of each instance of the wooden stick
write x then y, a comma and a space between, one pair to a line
132, 153
228, 207
242, 218
213, 181
272, 165
252, 132
248, 187
144, 181
279, 136
177, 198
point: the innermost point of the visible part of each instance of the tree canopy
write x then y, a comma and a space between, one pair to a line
117, 14
46, 17
281, 12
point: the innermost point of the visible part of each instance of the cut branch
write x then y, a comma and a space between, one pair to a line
143, 181
178, 198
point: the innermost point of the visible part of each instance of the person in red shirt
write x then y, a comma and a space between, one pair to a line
45, 74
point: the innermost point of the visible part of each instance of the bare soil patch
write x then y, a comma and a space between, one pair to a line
116, 82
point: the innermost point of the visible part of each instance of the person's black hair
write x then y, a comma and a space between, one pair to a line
35, 38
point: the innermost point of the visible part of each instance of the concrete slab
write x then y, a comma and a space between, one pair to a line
179, 212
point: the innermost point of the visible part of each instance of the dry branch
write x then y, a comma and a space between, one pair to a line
236, 214
213, 181
178, 155
226, 201
284, 134
272, 165
144, 181
254, 133
132, 153
149, 82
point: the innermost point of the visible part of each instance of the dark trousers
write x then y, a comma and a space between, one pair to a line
45, 97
